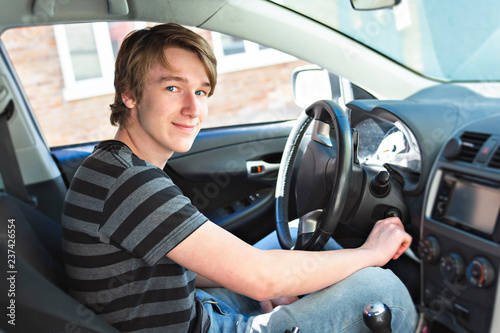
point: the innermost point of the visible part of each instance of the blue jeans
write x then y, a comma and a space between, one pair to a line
337, 308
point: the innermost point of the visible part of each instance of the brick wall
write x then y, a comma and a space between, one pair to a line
256, 95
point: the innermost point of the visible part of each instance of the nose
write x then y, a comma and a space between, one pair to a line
191, 106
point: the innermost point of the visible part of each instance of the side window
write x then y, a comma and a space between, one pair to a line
254, 84
67, 74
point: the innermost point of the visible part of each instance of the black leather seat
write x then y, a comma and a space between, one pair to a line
39, 292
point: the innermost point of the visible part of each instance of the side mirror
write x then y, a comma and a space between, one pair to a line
312, 83
373, 4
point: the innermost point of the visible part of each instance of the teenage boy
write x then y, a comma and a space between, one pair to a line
136, 248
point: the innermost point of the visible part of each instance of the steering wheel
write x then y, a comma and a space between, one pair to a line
323, 177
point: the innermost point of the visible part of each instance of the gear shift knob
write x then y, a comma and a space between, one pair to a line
377, 317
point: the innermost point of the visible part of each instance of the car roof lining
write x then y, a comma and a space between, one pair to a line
43, 12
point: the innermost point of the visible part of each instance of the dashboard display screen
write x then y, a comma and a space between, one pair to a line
474, 205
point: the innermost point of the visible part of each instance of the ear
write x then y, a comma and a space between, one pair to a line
128, 99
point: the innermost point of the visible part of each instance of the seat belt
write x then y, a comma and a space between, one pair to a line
9, 165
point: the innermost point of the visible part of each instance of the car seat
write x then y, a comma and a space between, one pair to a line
37, 287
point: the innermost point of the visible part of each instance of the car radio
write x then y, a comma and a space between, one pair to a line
469, 203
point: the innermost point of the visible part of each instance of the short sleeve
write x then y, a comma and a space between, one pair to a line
147, 215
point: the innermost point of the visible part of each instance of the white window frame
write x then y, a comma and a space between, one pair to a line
253, 57
94, 87
103, 85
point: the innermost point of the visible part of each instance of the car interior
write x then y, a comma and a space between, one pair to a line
384, 141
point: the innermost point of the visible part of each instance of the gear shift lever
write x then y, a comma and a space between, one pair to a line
377, 317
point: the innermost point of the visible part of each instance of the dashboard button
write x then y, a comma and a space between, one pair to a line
429, 249
380, 184
480, 272
486, 150
452, 267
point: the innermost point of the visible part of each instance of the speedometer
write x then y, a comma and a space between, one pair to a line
382, 142
393, 146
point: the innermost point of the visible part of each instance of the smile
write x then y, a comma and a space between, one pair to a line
185, 127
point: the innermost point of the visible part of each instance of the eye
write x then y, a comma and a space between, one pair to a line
172, 88
200, 93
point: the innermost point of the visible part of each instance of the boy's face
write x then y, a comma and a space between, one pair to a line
173, 105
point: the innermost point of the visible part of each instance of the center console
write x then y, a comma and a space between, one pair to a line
460, 233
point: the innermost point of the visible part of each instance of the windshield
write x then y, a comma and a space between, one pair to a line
446, 40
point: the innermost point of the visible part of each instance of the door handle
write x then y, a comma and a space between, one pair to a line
258, 169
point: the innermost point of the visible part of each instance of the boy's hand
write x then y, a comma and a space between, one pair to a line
388, 239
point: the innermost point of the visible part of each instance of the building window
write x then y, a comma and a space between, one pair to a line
87, 52
235, 54
83, 52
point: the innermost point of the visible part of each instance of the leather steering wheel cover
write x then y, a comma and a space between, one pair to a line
344, 167
284, 180
331, 216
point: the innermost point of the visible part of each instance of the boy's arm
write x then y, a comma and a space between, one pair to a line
203, 282
264, 274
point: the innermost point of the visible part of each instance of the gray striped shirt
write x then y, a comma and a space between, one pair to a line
121, 216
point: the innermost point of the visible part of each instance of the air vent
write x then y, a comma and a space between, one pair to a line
495, 160
471, 143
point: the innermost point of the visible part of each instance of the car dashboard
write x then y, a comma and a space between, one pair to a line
446, 143
461, 229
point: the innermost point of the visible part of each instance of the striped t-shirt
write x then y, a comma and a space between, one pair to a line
121, 216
